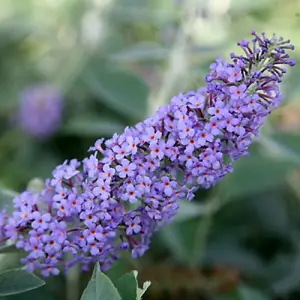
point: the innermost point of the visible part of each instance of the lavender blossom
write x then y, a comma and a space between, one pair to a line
115, 200
40, 111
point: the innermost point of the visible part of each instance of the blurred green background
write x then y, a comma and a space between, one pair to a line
115, 62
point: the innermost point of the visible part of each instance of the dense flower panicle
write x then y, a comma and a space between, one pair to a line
40, 111
115, 199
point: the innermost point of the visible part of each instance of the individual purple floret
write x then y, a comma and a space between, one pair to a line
115, 200
40, 111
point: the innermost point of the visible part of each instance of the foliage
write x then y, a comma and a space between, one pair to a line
101, 287
115, 62
18, 281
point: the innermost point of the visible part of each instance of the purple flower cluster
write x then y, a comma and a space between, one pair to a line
40, 111
130, 185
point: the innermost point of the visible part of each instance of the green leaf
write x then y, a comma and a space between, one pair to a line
92, 127
127, 286
120, 90
136, 13
277, 219
141, 52
286, 270
18, 281
100, 287
248, 293
231, 296
227, 251
245, 5
186, 240
187, 210
119, 268
141, 291
255, 174
14, 30
7, 248
6, 197
244, 293
288, 144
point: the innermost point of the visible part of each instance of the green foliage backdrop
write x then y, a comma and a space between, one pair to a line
115, 62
